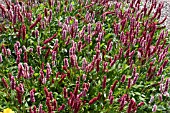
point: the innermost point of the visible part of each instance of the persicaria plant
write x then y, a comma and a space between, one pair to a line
84, 56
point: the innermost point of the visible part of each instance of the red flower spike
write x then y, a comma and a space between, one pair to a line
46, 92
140, 104
54, 104
25, 57
114, 85
65, 92
129, 83
40, 109
61, 107
49, 39
31, 111
165, 63
114, 60
93, 100
32, 98
19, 95
98, 96
47, 53
23, 31
104, 82
150, 10
130, 106
98, 64
35, 23
4, 82
62, 78
35, 111
45, 12
123, 78
57, 74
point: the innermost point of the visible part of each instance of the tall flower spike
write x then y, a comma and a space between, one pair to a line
23, 32
61, 107
66, 62
35, 23
135, 78
140, 104
4, 82
39, 50
19, 95
167, 85
114, 85
93, 100
49, 39
129, 83
50, 16
104, 82
53, 55
65, 92
54, 104
123, 78
12, 82
32, 98
40, 109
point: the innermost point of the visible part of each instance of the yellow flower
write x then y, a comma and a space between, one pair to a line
7, 110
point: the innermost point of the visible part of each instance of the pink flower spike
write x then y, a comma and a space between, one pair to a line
154, 108
32, 98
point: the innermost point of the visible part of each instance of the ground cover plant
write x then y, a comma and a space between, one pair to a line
84, 56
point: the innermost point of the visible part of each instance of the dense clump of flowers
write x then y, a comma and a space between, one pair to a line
85, 56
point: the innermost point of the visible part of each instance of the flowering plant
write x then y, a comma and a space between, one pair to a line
92, 56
